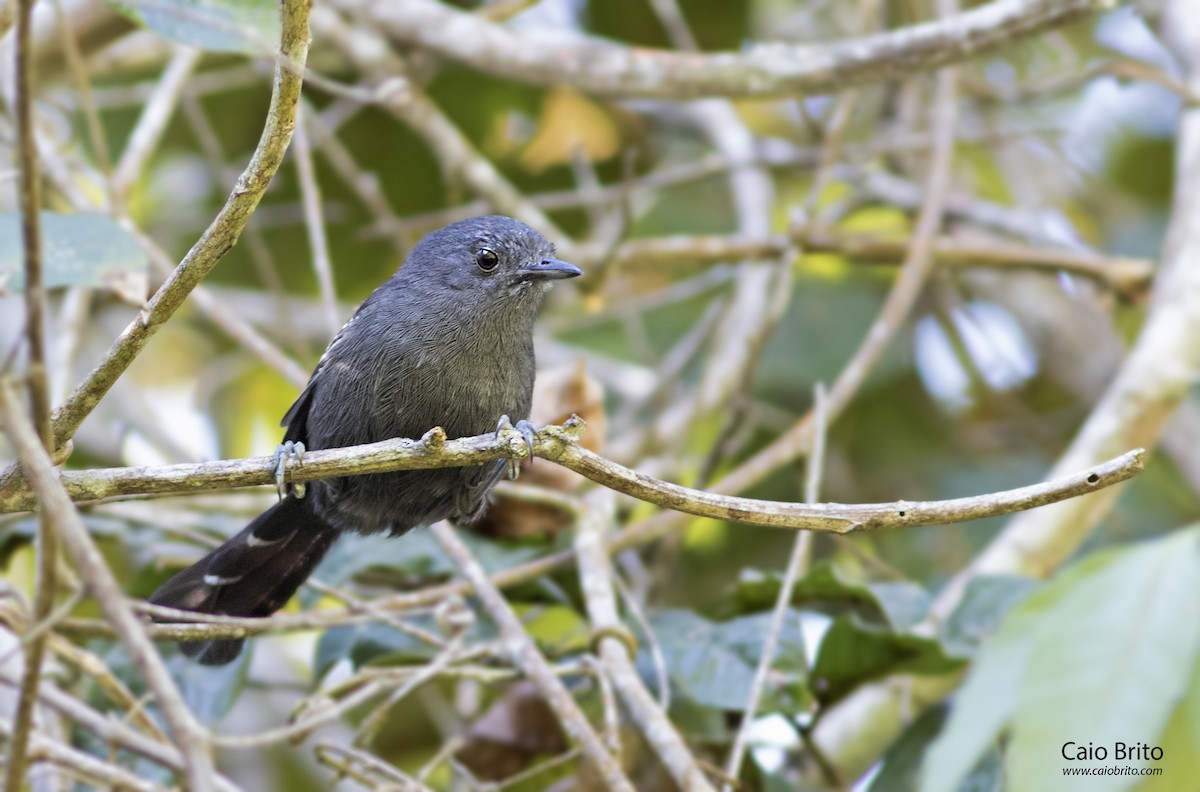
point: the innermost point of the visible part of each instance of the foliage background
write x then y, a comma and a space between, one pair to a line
1065, 141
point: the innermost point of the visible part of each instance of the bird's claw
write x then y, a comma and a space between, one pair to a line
526, 430
286, 451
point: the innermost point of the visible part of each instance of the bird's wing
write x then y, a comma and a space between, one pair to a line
296, 418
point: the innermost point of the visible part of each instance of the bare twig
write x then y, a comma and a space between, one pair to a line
524, 654
918, 263
797, 567
113, 731
595, 576
314, 217
38, 385
216, 240
82, 766
1126, 275
191, 737
551, 58
152, 123
559, 444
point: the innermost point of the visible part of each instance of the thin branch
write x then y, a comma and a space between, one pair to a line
552, 58
314, 216
915, 271
560, 444
1127, 276
217, 239
152, 123
367, 769
456, 154
82, 766
797, 567
595, 578
111, 730
38, 385
191, 737
524, 654
83, 86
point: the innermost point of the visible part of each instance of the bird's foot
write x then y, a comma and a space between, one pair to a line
286, 451
526, 429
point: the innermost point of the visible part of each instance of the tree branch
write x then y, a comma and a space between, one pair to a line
190, 736
559, 444
595, 578
38, 386
552, 58
221, 235
524, 654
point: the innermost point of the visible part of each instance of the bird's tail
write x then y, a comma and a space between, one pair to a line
253, 574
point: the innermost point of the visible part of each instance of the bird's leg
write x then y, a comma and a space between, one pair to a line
526, 430
288, 450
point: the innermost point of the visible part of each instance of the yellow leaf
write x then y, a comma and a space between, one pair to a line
570, 121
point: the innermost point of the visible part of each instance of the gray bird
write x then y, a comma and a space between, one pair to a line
446, 341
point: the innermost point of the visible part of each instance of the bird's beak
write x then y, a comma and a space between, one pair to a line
548, 269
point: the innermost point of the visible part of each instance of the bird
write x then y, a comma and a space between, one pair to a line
446, 341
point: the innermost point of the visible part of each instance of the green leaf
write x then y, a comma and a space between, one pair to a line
210, 691
987, 700
1180, 743
899, 604
900, 771
77, 250
379, 643
247, 26
559, 630
853, 652
985, 602
415, 556
1111, 662
699, 661
1101, 654
713, 663
787, 690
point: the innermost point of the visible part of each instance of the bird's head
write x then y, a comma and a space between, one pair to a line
494, 260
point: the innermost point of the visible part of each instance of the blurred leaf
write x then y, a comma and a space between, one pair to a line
702, 724
903, 602
699, 660
1180, 743
1111, 660
987, 700
854, 652
899, 605
787, 688
987, 599
714, 662
381, 643
1099, 655
210, 691
77, 250
415, 556
247, 26
570, 122
558, 629
900, 771
902, 762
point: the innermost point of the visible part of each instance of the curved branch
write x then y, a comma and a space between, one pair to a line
550, 58
559, 444
217, 239
1128, 276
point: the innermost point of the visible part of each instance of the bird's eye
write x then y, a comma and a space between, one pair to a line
486, 260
